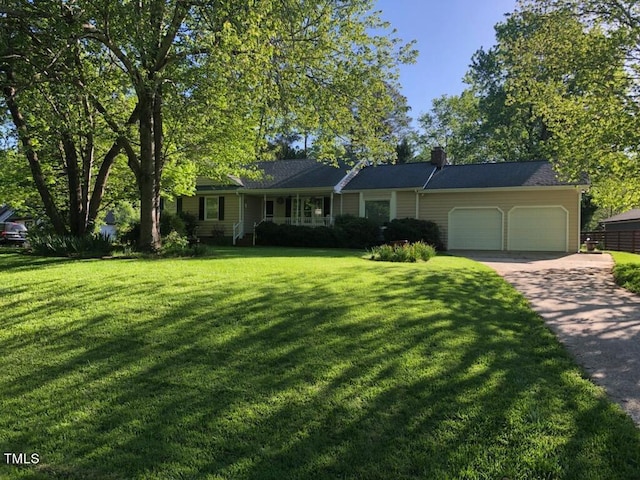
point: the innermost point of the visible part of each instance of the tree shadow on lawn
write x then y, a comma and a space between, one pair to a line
465, 383
12, 261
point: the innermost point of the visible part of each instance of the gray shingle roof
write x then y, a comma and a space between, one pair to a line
296, 174
631, 215
307, 173
496, 175
407, 175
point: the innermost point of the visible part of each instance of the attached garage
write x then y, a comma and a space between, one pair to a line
476, 228
538, 228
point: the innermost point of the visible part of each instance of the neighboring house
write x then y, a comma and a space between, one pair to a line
7, 214
492, 206
622, 222
109, 228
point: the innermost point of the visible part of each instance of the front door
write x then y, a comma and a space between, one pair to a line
269, 210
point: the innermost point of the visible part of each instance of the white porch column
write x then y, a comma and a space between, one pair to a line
331, 209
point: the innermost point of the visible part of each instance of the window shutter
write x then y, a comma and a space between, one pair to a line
220, 208
179, 205
201, 209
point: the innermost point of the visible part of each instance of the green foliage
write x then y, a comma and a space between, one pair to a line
188, 88
348, 232
454, 123
172, 223
358, 232
414, 230
126, 216
628, 276
190, 224
268, 233
409, 252
626, 271
175, 245
574, 62
87, 246
404, 151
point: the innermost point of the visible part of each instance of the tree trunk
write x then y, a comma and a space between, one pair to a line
77, 222
147, 181
34, 162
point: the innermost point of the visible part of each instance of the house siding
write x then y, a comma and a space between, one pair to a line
622, 226
435, 206
348, 204
206, 228
406, 205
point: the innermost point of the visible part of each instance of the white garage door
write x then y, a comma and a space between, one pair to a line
475, 229
542, 229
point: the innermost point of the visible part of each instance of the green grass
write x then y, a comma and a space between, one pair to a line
626, 272
291, 364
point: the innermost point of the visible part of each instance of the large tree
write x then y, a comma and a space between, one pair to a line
577, 64
209, 81
53, 115
483, 123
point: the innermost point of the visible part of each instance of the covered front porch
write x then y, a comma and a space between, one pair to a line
303, 209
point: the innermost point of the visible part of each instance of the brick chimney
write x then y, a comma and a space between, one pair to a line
438, 157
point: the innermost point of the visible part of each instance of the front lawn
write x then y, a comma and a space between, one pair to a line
291, 364
626, 272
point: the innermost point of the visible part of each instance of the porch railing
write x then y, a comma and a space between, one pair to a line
238, 231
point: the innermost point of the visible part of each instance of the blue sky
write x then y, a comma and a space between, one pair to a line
447, 32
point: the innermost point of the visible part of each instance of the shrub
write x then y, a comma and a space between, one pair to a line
627, 275
88, 246
414, 230
190, 223
268, 233
357, 232
410, 252
130, 236
172, 223
175, 244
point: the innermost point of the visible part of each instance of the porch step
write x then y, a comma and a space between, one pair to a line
246, 241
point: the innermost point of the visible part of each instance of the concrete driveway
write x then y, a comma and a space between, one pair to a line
596, 320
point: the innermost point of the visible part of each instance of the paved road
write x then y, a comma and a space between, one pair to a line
598, 321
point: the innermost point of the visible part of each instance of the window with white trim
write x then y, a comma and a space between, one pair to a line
211, 205
377, 210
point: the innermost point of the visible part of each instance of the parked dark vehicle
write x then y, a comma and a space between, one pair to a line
12, 233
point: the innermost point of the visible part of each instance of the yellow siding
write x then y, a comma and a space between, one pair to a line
436, 206
207, 227
406, 205
350, 203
